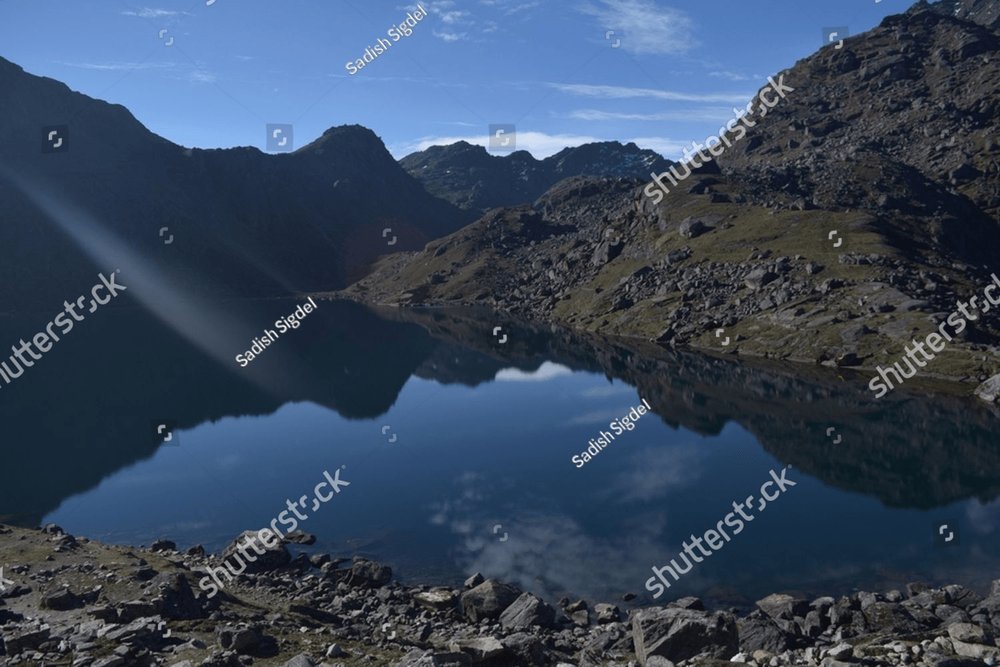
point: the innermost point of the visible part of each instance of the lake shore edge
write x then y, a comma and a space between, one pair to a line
73, 601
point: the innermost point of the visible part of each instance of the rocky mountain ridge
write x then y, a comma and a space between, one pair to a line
473, 179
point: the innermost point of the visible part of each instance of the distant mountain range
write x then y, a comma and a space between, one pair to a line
471, 178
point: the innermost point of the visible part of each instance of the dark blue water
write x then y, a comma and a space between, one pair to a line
483, 439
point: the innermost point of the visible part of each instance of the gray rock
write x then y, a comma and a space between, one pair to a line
479, 649
527, 647
987, 654
813, 624
607, 613
962, 597
163, 545
242, 640
474, 580
301, 660
782, 610
989, 391
18, 641
136, 609
689, 602
527, 610
692, 228
436, 598
758, 278
369, 573
758, 632
487, 600
422, 658
967, 632
678, 634
830, 662
889, 617
61, 600
176, 600
841, 651
272, 558
111, 661
658, 661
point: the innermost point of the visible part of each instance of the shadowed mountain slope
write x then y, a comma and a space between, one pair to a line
243, 222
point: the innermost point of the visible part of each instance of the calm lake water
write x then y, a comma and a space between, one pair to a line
453, 441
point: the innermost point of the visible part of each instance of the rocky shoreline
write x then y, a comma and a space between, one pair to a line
71, 601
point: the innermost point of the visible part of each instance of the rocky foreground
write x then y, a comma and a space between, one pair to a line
72, 601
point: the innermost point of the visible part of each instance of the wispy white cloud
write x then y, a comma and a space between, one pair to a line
644, 26
169, 69
153, 13
459, 24
120, 66
625, 92
510, 7
652, 473
456, 23
734, 76
201, 76
455, 16
450, 36
703, 113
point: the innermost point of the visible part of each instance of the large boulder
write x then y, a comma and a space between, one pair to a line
692, 227
436, 598
892, 618
424, 658
525, 646
759, 633
272, 558
243, 639
369, 573
488, 600
989, 391
606, 251
783, 609
480, 649
678, 634
176, 600
527, 610
62, 599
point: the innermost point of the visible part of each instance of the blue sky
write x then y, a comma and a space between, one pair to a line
549, 67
